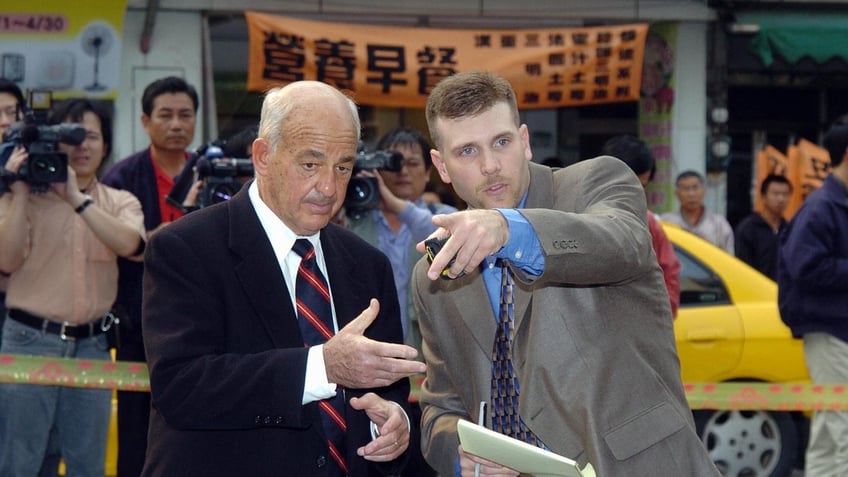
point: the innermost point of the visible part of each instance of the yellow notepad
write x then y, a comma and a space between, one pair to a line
517, 455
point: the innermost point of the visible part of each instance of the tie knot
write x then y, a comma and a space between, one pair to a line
302, 247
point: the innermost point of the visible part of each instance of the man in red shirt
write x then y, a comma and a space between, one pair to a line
169, 111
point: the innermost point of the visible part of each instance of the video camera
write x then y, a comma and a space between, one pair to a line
222, 177
46, 163
363, 193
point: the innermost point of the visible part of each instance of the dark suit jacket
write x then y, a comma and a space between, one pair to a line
594, 345
226, 357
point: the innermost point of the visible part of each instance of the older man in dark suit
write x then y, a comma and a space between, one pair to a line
238, 387
580, 356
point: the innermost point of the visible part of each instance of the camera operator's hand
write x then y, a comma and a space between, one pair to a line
191, 196
13, 166
69, 190
388, 200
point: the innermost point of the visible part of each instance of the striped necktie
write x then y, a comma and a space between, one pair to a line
316, 324
505, 387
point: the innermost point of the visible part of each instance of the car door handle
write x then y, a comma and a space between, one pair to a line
706, 335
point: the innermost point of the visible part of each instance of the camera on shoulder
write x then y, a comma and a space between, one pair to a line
45, 162
223, 176
363, 193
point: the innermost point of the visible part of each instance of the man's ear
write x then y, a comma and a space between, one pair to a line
525, 141
145, 121
439, 164
261, 151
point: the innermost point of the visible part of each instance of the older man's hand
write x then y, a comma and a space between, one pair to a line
392, 426
355, 361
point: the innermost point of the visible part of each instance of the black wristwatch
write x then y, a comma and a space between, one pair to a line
88, 201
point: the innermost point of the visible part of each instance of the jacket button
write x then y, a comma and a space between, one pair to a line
322, 461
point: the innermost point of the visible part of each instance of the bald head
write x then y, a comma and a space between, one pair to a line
299, 101
305, 152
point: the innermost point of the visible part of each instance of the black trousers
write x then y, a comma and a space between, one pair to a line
133, 418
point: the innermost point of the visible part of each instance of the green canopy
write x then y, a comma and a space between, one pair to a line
821, 36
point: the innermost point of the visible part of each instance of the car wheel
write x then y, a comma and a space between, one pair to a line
749, 443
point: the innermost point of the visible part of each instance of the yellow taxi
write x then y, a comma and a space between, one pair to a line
728, 328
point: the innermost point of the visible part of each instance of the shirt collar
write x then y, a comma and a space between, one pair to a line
278, 232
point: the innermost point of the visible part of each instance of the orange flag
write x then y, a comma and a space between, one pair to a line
809, 164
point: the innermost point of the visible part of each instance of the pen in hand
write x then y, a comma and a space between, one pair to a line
481, 421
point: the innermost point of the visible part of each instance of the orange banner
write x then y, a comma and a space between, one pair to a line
399, 66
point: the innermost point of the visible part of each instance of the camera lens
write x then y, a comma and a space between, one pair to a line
362, 194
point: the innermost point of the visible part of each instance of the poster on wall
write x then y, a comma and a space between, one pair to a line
399, 66
655, 111
71, 49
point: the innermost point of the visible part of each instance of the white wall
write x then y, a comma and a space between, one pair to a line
175, 50
689, 117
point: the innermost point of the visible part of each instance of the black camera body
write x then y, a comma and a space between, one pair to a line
221, 176
45, 162
363, 193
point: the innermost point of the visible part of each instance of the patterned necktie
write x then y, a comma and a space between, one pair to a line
505, 388
316, 324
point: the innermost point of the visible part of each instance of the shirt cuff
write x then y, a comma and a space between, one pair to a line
523, 248
316, 386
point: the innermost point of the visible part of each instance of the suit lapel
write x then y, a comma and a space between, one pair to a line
470, 296
259, 273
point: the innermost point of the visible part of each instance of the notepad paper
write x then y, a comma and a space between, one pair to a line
517, 455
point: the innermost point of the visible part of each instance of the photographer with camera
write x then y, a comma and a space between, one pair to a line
60, 247
398, 217
216, 172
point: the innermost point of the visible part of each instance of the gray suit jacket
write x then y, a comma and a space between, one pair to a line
594, 343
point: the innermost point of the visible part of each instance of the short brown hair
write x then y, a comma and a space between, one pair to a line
468, 94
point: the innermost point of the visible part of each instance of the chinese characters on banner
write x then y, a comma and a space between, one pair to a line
655, 112
399, 66
71, 52
805, 165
